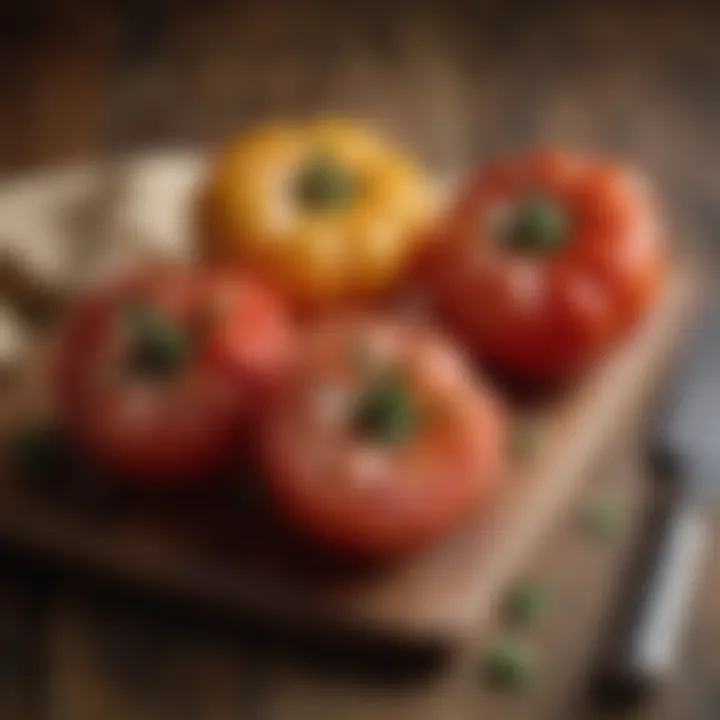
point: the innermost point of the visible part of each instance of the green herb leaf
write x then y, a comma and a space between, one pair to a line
602, 520
38, 452
510, 665
527, 603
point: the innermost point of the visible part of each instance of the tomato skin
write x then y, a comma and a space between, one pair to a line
546, 316
362, 497
169, 430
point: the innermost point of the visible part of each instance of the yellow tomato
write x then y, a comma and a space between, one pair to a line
325, 209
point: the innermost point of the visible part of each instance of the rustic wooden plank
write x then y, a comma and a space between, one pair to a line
433, 598
583, 576
693, 691
119, 663
609, 74
480, 69
295, 695
56, 79
114, 660
22, 659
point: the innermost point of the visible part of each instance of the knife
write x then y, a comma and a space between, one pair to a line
684, 449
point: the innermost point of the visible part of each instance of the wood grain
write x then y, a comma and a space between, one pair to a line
214, 551
117, 661
456, 80
279, 683
22, 627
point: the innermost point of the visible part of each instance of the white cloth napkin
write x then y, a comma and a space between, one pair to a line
67, 225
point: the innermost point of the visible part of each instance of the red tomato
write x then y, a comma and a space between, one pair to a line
159, 373
380, 440
546, 260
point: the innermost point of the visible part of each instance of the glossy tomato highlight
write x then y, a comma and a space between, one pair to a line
546, 260
159, 373
380, 439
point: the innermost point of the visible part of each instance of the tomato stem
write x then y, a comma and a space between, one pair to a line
158, 347
386, 409
540, 224
325, 183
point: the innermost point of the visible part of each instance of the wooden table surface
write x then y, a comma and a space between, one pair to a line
454, 80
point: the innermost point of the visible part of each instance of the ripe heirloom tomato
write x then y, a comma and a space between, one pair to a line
547, 259
159, 372
380, 439
325, 210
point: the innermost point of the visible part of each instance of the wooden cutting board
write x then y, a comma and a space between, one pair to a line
224, 550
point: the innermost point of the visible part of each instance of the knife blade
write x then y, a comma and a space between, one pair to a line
684, 451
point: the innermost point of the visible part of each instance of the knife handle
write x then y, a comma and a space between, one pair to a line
656, 621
